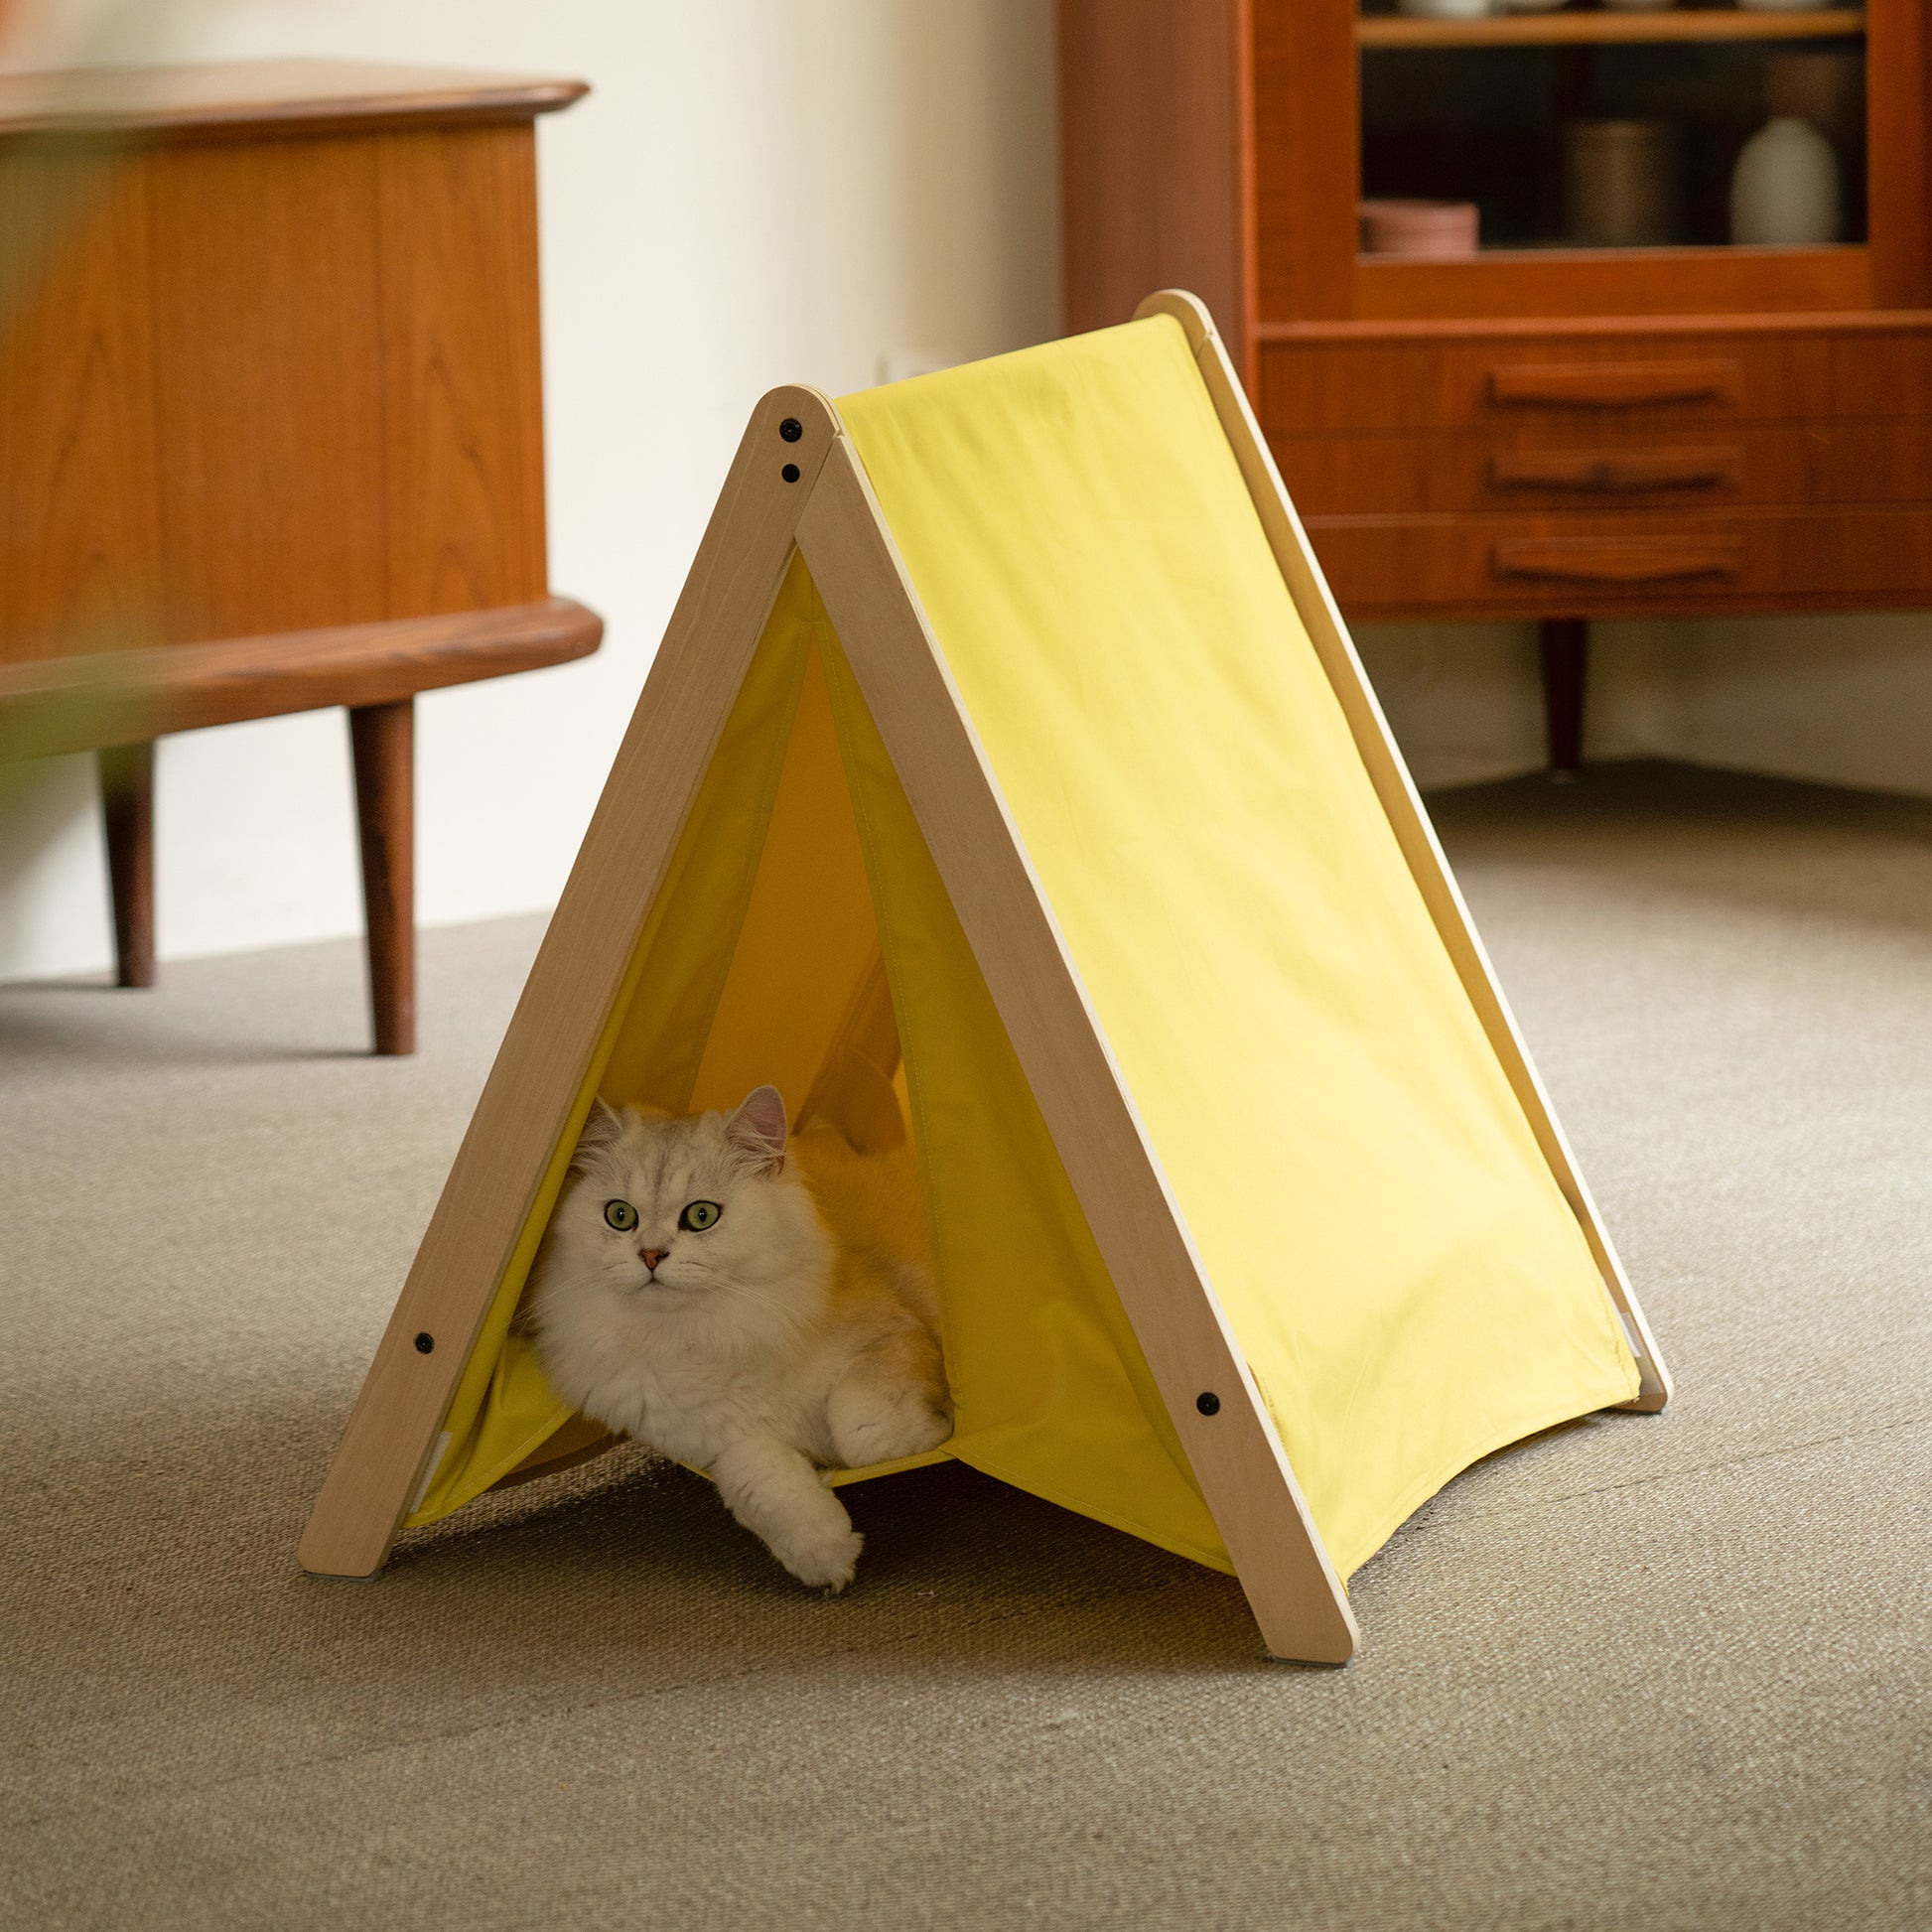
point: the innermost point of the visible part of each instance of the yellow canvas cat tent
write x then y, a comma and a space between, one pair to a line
1006, 777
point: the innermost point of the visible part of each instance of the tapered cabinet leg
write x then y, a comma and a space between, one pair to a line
1564, 645
127, 810
383, 738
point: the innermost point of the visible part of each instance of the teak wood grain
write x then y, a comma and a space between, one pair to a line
1235, 1453
1616, 385
1382, 474
50, 706
1877, 556
461, 371
1567, 29
237, 98
268, 412
1616, 472
255, 387
1898, 142
1553, 282
553, 1035
1139, 213
1349, 378
382, 745
1663, 559
1402, 804
80, 496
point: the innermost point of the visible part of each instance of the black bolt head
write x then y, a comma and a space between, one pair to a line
791, 429
424, 1343
1208, 1403
789, 472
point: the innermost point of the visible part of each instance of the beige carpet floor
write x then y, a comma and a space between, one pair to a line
1668, 1672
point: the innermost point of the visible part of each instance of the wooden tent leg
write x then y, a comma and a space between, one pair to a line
1218, 1411
551, 1045
384, 740
127, 773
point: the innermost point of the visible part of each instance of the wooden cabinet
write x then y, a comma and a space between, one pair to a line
1540, 428
273, 436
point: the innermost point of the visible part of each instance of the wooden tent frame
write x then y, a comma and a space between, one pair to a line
798, 483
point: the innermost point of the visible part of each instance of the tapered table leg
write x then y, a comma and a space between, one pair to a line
1564, 643
383, 739
127, 812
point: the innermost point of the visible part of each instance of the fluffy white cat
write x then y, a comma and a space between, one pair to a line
753, 1313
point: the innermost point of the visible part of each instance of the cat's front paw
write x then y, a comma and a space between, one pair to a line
823, 1559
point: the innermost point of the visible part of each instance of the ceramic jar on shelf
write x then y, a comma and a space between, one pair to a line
1785, 191
1621, 183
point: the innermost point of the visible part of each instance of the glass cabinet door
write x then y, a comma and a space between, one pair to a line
1610, 126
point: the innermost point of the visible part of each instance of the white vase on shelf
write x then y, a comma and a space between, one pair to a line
1785, 191
1444, 9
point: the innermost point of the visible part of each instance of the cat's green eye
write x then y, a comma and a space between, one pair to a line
699, 1216
620, 1214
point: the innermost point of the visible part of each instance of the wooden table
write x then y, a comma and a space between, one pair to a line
274, 441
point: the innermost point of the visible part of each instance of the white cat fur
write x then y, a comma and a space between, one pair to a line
759, 1349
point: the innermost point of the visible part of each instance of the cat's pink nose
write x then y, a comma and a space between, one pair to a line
652, 1256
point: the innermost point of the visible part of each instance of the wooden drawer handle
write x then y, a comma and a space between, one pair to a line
1617, 560
1613, 385
1613, 472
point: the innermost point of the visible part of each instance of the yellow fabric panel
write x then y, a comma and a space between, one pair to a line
807, 937
858, 1089
1404, 1277
1406, 1281
692, 937
654, 1043
759, 950
1050, 1389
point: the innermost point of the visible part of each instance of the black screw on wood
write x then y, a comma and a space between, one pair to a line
1208, 1403
789, 472
791, 429
424, 1343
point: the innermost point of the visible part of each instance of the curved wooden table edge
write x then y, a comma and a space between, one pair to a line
51, 706
61, 107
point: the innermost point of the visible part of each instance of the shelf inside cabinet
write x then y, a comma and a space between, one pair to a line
1585, 29
1612, 145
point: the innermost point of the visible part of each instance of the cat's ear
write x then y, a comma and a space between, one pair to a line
758, 1129
601, 1130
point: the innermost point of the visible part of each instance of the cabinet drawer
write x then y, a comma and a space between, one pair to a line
1595, 468
1636, 563
1332, 383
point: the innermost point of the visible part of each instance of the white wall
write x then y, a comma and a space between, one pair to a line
1841, 700
757, 191
1465, 699
1845, 700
